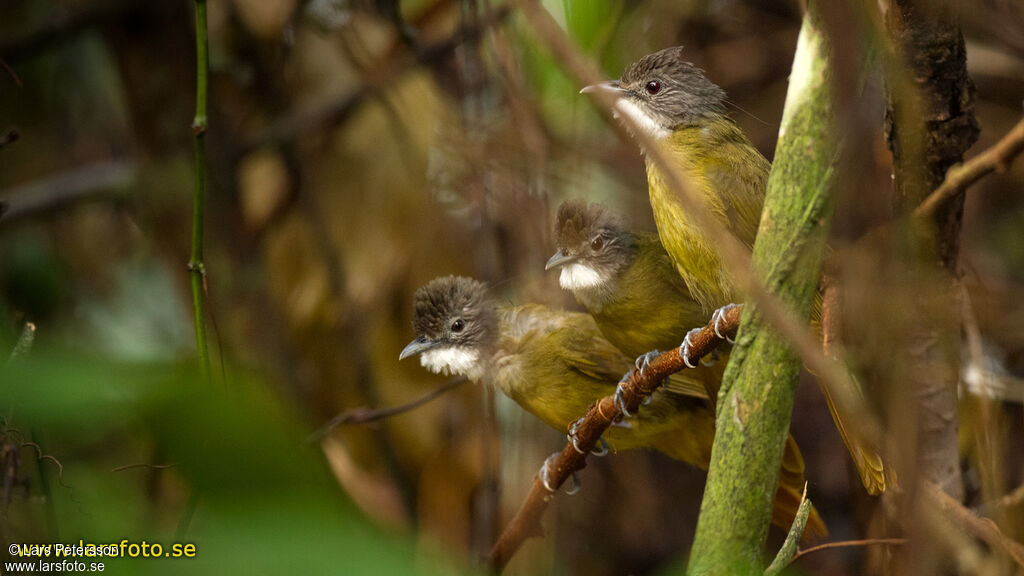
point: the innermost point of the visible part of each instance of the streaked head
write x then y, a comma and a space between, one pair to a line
455, 322
662, 92
593, 246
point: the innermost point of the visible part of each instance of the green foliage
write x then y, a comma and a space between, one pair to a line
267, 503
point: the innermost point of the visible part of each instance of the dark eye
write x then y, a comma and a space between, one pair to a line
458, 325
597, 243
653, 87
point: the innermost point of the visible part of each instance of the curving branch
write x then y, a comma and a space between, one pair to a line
601, 415
997, 158
367, 415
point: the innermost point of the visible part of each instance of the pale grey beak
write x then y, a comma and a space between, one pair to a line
420, 344
559, 259
610, 87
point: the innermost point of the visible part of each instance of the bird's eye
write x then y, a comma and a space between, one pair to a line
653, 87
597, 243
458, 325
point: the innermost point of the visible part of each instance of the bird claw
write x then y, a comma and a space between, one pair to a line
684, 348
601, 450
620, 399
718, 317
545, 477
644, 360
573, 438
576, 484
545, 474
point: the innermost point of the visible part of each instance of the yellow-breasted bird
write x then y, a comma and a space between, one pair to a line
672, 101
624, 279
555, 364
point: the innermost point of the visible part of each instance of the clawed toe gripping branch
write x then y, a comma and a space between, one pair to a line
586, 432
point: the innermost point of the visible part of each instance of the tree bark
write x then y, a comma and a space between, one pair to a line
930, 124
756, 399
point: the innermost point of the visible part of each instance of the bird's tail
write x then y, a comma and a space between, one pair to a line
790, 493
872, 471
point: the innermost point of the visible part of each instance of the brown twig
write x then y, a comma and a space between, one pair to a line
113, 178
9, 136
979, 526
997, 158
143, 465
849, 544
601, 415
364, 415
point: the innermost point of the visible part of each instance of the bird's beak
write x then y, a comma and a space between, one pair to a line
420, 344
610, 87
559, 259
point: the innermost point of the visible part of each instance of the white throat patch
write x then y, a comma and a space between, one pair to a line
576, 276
648, 125
452, 361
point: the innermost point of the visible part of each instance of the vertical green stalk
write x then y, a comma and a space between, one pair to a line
196, 267
756, 398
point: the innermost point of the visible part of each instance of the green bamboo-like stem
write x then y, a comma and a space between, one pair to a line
756, 398
196, 267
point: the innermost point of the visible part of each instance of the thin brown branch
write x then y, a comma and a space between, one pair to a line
1012, 499
365, 415
9, 136
978, 526
40, 455
63, 26
850, 544
601, 415
997, 158
142, 465
88, 183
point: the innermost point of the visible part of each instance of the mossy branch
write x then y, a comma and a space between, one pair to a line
757, 392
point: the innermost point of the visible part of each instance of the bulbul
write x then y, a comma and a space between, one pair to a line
673, 102
555, 364
624, 279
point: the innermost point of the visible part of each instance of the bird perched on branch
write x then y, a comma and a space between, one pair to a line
555, 364
673, 102
624, 279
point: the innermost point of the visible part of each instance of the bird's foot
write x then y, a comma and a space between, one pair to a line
718, 317
684, 348
545, 477
643, 361
600, 450
572, 436
620, 398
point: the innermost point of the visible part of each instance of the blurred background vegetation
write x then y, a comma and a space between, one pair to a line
356, 150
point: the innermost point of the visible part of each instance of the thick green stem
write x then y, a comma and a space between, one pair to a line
756, 398
196, 267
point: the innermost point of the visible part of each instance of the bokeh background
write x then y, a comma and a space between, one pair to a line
356, 150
